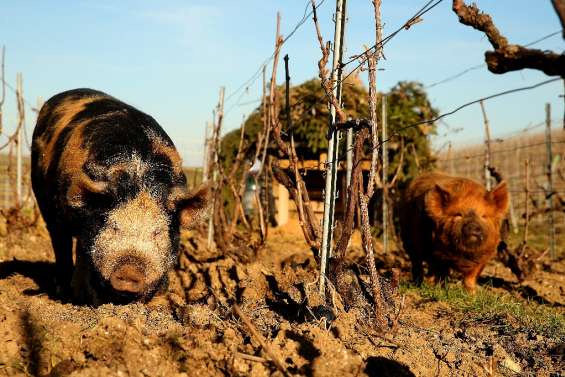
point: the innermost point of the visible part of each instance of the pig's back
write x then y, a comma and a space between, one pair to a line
84, 135
423, 184
83, 121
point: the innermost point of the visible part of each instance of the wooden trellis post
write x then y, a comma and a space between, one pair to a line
215, 148
549, 173
450, 159
487, 161
384, 150
21, 124
527, 197
205, 157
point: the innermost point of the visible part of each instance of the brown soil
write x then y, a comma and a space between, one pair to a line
193, 330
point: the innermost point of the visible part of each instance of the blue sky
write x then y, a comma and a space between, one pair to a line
169, 58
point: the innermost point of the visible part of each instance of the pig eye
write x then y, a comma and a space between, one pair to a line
114, 226
157, 232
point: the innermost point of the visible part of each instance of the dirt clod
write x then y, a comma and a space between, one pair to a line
192, 330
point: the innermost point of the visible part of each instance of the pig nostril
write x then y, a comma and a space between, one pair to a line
472, 229
128, 278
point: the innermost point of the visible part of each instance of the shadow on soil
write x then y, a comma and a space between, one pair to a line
42, 273
383, 367
527, 292
307, 350
33, 343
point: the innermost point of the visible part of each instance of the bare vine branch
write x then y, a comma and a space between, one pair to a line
326, 82
400, 164
297, 188
508, 57
372, 64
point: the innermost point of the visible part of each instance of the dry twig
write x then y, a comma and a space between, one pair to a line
256, 359
326, 82
236, 188
261, 339
392, 182
297, 187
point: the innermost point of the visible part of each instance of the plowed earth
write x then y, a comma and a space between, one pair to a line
193, 329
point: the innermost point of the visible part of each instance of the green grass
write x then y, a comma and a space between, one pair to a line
497, 309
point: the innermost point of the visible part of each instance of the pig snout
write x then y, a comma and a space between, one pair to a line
128, 279
473, 234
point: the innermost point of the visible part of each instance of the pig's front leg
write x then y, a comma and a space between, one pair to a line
62, 243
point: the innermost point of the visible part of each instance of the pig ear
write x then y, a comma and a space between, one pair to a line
81, 185
499, 197
443, 194
437, 199
194, 207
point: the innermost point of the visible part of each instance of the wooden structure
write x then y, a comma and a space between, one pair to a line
313, 174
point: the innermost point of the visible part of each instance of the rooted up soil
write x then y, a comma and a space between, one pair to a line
194, 331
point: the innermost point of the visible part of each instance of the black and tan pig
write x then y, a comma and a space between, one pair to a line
108, 175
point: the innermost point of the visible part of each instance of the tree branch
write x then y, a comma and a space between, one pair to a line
559, 6
508, 57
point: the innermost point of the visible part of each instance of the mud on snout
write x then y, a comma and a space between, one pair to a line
132, 252
472, 232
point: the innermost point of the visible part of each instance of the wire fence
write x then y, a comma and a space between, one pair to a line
8, 182
15, 149
15, 188
508, 155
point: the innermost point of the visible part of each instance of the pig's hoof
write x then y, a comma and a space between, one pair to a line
63, 291
470, 288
